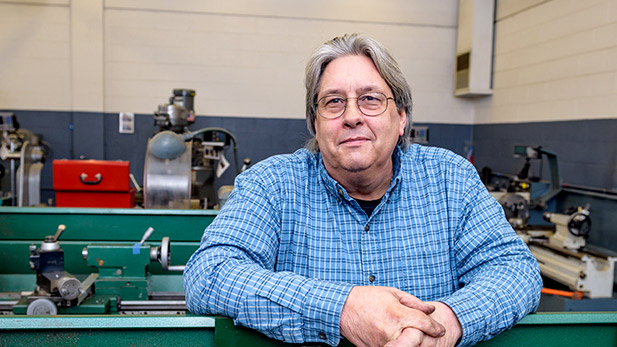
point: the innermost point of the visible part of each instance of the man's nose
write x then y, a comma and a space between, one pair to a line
352, 117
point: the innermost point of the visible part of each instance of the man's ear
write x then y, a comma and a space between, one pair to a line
403, 119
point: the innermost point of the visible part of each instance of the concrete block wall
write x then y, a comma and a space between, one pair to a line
555, 64
69, 67
244, 59
555, 85
35, 59
554, 60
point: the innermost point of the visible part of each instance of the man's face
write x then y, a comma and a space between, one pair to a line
355, 142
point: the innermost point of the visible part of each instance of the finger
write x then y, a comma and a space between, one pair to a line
413, 302
429, 341
425, 323
409, 337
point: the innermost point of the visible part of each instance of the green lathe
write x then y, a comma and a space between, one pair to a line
96, 261
98, 278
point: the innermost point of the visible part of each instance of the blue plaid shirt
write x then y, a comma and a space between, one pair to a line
290, 243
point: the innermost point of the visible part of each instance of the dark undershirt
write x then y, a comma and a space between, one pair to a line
368, 205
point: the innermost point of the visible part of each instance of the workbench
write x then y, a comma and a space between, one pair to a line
21, 227
541, 329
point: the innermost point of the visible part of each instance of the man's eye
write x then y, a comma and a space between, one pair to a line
335, 101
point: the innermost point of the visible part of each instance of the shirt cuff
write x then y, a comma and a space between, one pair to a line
322, 311
466, 310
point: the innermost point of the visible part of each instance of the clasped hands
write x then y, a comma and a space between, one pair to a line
385, 316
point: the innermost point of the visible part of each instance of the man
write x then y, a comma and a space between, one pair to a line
363, 235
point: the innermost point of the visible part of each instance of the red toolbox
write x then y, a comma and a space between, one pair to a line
92, 183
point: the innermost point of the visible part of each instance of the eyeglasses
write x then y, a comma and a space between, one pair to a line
370, 104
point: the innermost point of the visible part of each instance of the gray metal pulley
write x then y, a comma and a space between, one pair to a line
69, 288
42, 307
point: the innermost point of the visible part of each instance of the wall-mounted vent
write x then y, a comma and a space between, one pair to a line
474, 48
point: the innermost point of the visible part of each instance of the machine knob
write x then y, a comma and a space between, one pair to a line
69, 288
40, 307
165, 259
579, 224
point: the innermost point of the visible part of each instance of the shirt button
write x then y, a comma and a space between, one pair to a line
322, 336
366, 228
371, 278
340, 192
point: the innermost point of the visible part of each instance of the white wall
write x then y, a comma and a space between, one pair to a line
244, 57
35, 59
554, 60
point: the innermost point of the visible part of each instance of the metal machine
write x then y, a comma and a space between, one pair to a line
116, 319
121, 283
519, 194
54, 286
181, 165
25, 153
559, 247
563, 257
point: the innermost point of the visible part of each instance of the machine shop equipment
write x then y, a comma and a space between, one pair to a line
519, 194
572, 229
121, 283
563, 256
123, 268
25, 153
561, 245
54, 286
181, 165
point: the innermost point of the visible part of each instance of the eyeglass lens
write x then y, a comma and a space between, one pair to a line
371, 104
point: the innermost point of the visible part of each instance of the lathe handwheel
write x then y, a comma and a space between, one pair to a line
42, 307
165, 254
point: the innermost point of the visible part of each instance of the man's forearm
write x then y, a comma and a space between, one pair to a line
281, 305
496, 298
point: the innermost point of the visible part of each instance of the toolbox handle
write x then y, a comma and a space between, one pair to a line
84, 176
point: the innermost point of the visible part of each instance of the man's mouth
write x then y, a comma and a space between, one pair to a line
354, 140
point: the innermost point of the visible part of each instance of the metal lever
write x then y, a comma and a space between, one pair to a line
146, 236
61, 228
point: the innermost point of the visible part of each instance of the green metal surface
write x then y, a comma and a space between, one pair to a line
99, 224
546, 330
158, 283
14, 255
22, 226
126, 288
17, 282
561, 329
541, 329
119, 260
109, 235
227, 334
107, 331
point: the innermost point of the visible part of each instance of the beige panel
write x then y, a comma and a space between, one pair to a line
253, 66
553, 61
39, 2
35, 56
410, 12
244, 58
87, 55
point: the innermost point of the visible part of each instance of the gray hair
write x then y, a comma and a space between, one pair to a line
355, 44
